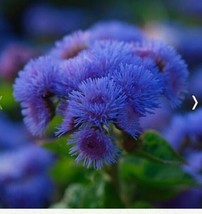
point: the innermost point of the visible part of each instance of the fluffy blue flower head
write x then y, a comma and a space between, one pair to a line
34, 89
97, 102
171, 67
94, 148
141, 87
71, 45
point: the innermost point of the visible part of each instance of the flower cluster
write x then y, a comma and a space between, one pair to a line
107, 77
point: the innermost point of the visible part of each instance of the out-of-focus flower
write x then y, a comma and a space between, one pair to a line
185, 131
24, 180
194, 165
160, 118
191, 8
72, 44
195, 86
171, 68
8, 141
191, 198
94, 148
46, 21
34, 89
187, 40
116, 30
12, 59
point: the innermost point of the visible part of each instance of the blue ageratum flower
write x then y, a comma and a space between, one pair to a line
141, 87
194, 165
71, 45
185, 128
34, 89
107, 56
116, 30
24, 179
170, 65
97, 102
99, 60
94, 148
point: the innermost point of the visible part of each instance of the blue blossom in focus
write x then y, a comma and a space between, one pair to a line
96, 103
170, 65
71, 45
141, 87
97, 84
93, 147
38, 78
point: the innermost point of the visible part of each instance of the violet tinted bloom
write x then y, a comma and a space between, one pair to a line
99, 60
107, 56
34, 89
171, 67
94, 148
116, 30
141, 87
71, 45
97, 102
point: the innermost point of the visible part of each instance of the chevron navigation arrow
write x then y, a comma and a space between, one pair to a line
195, 102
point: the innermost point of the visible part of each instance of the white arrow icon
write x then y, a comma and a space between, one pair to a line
196, 102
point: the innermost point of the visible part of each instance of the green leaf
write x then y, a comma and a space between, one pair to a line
149, 181
88, 195
154, 174
157, 149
